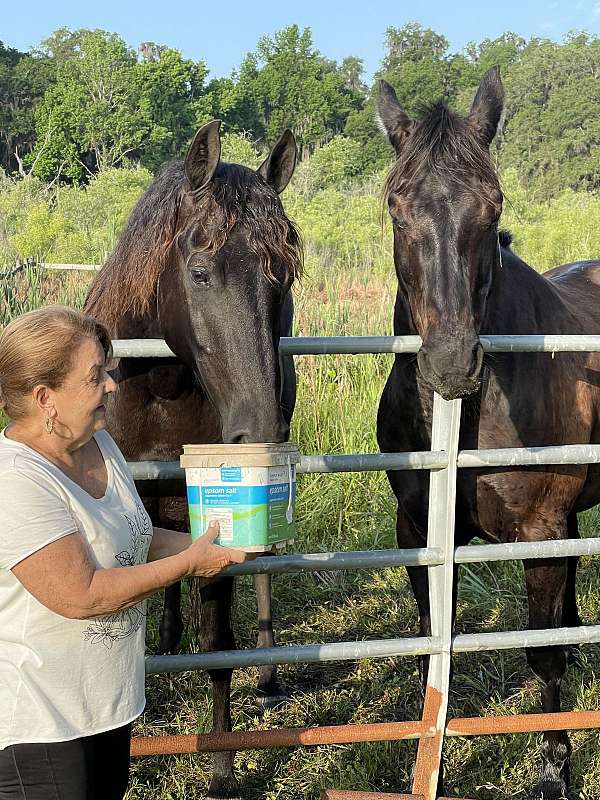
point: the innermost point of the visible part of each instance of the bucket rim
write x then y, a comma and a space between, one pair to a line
241, 449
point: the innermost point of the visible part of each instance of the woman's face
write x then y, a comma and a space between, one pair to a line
79, 404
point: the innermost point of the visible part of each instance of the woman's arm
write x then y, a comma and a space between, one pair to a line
167, 543
64, 577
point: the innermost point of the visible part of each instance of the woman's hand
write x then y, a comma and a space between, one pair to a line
207, 559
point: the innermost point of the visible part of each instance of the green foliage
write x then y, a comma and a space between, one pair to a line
94, 216
418, 66
361, 125
68, 224
23, 80
90, 118
106, 106
170, 89
560, 231
238, 148
18, 199
286, 83
552, 132
335, 163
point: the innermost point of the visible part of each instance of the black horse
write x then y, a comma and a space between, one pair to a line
206, 261
456, 281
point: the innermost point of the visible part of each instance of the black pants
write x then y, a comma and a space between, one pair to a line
91, 768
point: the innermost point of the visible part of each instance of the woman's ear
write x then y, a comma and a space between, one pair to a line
43, 399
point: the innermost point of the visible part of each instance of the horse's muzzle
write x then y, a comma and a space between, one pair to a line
452, 375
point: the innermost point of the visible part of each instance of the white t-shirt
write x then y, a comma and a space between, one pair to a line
65, 678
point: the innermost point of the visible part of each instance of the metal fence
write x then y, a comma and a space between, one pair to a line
440, 555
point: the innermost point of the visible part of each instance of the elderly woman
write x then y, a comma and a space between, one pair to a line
78, 557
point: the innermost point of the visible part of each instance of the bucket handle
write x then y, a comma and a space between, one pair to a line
289, 514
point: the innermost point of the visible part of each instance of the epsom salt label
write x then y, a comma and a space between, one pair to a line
249, 489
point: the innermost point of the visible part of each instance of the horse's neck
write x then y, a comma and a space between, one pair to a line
522, 301
158, 404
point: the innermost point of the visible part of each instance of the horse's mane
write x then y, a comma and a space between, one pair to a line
126, 285
443, 143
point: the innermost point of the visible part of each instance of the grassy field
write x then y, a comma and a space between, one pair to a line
337, 402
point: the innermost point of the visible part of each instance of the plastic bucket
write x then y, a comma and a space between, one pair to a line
250, 489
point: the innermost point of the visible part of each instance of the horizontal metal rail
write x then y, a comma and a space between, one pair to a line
280, 737
512, 551
523, 723
330, 562
379, 648
510, 640
360, 345
356, 462
530, 456
294, 654
373, 462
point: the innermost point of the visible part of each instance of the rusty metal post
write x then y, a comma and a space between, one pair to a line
442, 503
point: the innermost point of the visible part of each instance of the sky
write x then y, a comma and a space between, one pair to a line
220, 34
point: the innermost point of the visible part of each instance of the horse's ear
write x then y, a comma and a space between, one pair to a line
203, 155
278, 168
487, 106
395, 122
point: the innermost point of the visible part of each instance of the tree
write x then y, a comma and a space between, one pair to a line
107, 107
351, 70
418, 66
552, 132
23, 80
169, 87
90, 118
286, 82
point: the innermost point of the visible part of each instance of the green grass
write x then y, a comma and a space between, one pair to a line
338, 397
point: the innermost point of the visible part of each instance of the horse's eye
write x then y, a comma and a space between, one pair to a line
200, 276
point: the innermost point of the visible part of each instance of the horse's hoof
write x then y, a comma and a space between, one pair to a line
223, 797
549, 790
167, 650
270, 701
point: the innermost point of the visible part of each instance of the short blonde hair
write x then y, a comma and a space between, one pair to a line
38, 348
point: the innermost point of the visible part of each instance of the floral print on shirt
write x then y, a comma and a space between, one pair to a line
107, 630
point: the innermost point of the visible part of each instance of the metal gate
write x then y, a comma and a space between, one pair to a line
440, 555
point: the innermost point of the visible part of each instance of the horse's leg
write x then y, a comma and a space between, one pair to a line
270, 691
170, 628
546, 582
571, 618
216, 634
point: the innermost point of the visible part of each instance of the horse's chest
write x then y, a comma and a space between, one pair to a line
152, 418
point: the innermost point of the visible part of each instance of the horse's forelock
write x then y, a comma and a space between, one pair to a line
239, 195
126, 285
443, 143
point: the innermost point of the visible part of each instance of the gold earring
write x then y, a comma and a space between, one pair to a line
49, 424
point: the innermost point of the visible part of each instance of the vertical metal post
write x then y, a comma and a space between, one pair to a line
442, 503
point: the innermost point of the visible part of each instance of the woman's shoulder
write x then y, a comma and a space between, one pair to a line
23, 471
16, 457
